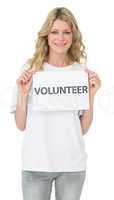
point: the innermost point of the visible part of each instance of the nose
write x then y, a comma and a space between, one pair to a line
61, 36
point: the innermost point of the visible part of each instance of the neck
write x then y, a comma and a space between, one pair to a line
59, 60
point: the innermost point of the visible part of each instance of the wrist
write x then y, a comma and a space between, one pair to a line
91, 100
22, 99
23, 94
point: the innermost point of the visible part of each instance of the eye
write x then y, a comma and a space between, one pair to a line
54, 32
67, 32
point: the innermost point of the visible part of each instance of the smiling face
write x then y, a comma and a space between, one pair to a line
60, 37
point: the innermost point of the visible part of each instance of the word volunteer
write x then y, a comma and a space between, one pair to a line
61, 90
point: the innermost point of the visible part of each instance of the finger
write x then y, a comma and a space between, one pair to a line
20, 80
31, 79
89, 71
27, 76
94, 81
23, 80
27, 72
32, 71
91, 79
93, 75
95, 78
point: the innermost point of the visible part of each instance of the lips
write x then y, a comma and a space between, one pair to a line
60, 44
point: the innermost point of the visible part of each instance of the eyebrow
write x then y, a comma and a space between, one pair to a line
54, 29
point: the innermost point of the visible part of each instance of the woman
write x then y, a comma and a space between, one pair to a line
53, 146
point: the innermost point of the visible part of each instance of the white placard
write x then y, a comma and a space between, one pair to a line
60, 90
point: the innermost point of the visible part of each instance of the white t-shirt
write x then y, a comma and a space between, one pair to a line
53, 140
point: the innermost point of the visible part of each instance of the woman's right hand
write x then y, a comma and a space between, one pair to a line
24, 81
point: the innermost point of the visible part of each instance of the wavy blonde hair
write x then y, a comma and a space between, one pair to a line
77, 50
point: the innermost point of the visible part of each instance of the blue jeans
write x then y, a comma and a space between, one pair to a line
37, 185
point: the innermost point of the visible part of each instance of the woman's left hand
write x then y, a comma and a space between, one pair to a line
94, 82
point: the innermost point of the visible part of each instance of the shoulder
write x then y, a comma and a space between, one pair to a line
78, 66
26, 65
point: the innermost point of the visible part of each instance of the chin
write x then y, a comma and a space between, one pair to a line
59, 50
62, 51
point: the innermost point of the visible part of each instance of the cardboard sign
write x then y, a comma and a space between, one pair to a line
60, 90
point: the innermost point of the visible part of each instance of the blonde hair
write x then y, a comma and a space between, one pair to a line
77, 50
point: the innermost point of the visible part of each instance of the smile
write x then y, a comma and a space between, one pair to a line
60, 45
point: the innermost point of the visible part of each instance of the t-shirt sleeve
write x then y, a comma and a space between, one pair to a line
15, 92
13, 99
80, 112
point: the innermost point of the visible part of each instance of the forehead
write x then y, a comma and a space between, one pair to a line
60, 24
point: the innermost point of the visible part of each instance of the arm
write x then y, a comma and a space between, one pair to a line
24, 83
87, 117
21, 111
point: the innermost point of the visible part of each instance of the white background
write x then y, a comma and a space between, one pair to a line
19, 23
